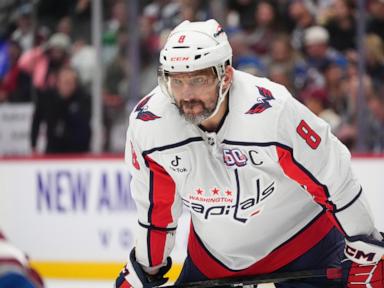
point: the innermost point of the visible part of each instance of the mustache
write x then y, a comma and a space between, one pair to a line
191, 103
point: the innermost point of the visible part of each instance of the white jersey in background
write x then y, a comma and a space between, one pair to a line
15, 269
263, 190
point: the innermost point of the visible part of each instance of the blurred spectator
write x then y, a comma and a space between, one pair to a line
286, 62
84, 61
375, 134
341, 26
242, 11
61, 15
15, 86
42, 35
317, 49
353, 88
43, 62
149, 49
282, 52
4, 59
192, 10
166, 14
81, 19
280, 74
15, 269
162, 14
317, 101
243, 57
301, 12
240, 48
267, 26
65, 26
24, 33
299, 43
115, 94
251, 64
348, 128
149, 40
376, 21
336, 84
318, 54
48, 12
6, 14
118, 18
116, 22
116, 97
65, 110
374, 51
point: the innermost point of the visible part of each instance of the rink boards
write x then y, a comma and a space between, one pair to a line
76, 219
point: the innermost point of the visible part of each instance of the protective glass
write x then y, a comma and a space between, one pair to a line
176, 83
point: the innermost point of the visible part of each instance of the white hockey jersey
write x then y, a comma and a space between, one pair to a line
262, 190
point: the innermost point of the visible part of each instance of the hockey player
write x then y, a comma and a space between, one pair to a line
15, 270
268, 187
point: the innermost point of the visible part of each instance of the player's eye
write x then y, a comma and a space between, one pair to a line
199, 81
176, 82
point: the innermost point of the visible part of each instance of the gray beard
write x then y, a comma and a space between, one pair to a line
197, 119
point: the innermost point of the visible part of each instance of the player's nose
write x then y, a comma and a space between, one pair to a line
188, 93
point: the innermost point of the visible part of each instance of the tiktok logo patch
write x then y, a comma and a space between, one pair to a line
178, 163
175, 162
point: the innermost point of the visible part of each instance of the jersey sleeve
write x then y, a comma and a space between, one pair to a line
312, 156
158, 206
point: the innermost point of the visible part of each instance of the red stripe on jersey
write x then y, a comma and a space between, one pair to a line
125, 285
162, 197
297, 173
11, 261
283, 255
157, 240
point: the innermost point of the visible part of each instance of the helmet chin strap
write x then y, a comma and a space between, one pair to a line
220, 97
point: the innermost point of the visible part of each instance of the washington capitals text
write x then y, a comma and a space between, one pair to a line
240, 211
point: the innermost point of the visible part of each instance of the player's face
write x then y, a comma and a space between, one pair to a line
195, 94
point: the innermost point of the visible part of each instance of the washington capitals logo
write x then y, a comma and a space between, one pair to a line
263, 103
142, 109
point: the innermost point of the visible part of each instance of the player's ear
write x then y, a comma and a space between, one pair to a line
228, 75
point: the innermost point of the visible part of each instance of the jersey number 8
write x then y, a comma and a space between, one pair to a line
311, 137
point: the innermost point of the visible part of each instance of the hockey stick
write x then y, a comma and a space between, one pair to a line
334, 274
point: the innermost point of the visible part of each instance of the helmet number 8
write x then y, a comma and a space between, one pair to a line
181, 39
310, 136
